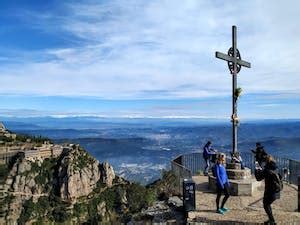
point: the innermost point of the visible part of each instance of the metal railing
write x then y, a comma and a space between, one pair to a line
187, 165
284, 165
181, 172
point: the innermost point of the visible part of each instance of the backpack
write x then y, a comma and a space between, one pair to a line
214, 170
277, 181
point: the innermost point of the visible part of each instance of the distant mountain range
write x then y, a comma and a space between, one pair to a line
139, 149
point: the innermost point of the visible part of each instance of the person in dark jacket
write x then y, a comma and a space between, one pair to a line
237, 158
208, 151
270, 194
260, 154
222, 184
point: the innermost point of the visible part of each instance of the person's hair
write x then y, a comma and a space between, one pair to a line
258, 144
208, 143
221, 158
269, 158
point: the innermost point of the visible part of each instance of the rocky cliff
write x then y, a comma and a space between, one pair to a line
78, 174
75, 187
73, 175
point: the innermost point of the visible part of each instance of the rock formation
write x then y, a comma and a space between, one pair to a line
73, 186
21, 185
74, 174
107, 174
78, 174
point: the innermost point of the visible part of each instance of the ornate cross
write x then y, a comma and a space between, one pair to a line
235, 63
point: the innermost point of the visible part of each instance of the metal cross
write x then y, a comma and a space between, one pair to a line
235, 63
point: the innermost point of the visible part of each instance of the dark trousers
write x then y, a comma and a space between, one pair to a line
207, 165
267, 201
242, 165
219, 193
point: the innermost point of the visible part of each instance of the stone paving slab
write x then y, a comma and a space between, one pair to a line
243, 209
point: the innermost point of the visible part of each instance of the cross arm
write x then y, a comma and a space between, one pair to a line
243, 63
228, 58
223, 56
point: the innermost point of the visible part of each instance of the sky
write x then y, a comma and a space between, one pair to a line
140, 58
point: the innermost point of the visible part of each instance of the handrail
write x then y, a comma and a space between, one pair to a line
189, 164
180, 172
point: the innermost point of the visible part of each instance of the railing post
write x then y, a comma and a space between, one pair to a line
290, 170
298, 193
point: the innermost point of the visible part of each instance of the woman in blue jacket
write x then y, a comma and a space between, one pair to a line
222, 184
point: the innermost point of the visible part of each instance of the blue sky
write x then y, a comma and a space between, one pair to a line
147, 58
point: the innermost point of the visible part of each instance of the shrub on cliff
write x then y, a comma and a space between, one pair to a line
79, 209
45, 173
83, 158
34, 139
3, 171
5, 139
166, 186
28, 209
42, 206
139, 197
60, 214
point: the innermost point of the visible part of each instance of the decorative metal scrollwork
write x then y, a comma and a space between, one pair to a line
231, 64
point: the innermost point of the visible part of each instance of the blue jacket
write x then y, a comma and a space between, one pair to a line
207, 151
221, 175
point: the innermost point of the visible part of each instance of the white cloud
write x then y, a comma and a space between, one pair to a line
135, 49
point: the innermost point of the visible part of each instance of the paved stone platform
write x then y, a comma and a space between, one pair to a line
244, 187
243, 209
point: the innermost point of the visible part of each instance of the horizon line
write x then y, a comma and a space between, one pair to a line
138, 117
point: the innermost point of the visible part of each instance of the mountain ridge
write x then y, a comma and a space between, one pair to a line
48, 183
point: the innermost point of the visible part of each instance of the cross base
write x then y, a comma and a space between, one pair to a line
241, 181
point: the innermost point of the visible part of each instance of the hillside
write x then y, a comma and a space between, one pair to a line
74, 186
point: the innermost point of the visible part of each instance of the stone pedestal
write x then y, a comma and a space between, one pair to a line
241, 181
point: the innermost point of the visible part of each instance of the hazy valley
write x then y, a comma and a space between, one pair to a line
139, 149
